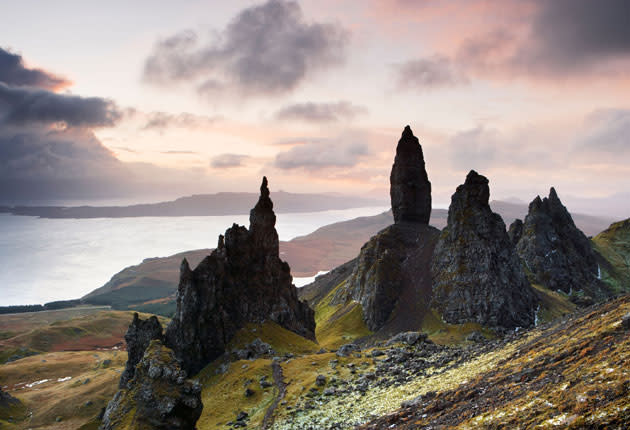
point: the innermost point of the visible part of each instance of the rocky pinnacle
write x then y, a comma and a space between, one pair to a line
410, 189
477, 275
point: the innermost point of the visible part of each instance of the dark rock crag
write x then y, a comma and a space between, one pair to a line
558, 255
242, 281
391, 276
477, 275
159, 396
139, 335
410, 189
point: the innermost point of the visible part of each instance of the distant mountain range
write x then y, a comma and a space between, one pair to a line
225, 203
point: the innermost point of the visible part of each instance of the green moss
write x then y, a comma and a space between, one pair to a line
448, 334
552, 304
280, 339
613, 244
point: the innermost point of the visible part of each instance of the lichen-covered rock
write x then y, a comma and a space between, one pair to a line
159, 396
139, 335
558, 255
477, 275
242, 281
253, 350
392, 266
410, 189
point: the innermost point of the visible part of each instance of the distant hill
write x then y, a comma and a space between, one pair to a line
202, 205
150, 286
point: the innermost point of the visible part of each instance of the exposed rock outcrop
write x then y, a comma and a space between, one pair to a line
242, 281
159, 396
477, 275
515, 232
139, 335
558, 255
392, 275
410, 189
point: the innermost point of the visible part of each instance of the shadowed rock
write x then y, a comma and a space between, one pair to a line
515, 232
242, 281
410, 188
477, 275
158, 396
139, 335
558, 255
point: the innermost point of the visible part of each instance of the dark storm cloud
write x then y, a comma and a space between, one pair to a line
20, 105
224, 161
36, 162
569, 33
318, 155
266, 49
320, 112
430, 72
14, 72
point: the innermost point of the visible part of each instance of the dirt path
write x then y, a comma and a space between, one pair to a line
278, 379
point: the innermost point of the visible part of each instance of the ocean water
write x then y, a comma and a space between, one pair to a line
42, 260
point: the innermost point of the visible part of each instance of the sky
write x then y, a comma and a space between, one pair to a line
146, 100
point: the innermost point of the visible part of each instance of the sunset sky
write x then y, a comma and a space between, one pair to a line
156, 99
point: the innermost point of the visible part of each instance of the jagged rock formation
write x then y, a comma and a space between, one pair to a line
139, 335
558, 255
159, 396
393, 270
410, 189
391, 275
242, 281
477, 275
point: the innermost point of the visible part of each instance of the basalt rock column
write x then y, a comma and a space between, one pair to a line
410, 189
139, 334
477, 275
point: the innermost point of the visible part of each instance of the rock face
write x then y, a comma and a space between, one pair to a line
392, 274
477, 275
410, 189
242, 281
557, 253
515, 232
159, 396
138, 336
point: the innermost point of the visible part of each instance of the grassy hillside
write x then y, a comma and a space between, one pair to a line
80, 329
613, 244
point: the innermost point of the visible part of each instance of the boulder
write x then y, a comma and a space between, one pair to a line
477, 275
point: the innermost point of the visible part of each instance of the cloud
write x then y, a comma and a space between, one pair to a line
566, 34
163, 120
224, 161
175, 152
20, 105
317, 155
607, 131
559, 38
37, 162
320, 112
266, 49
437, 71
14, 72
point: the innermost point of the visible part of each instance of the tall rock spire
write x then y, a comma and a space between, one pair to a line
477, 275
262, 222
410, 189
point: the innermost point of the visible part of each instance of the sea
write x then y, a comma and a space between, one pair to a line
43, 260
